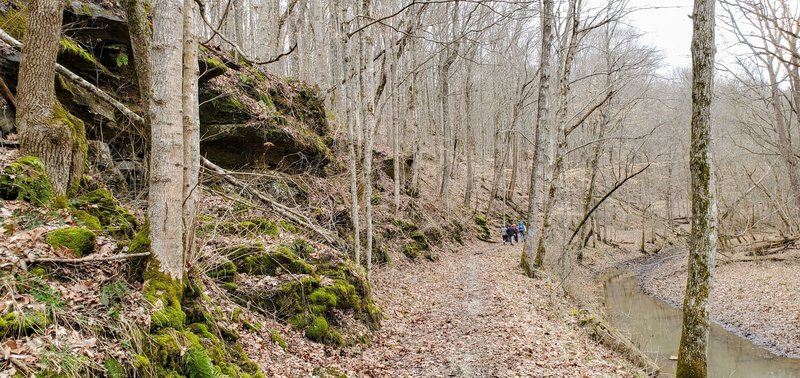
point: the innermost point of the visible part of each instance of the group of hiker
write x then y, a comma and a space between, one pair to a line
513, 233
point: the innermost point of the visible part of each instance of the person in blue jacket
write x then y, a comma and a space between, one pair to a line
522, 229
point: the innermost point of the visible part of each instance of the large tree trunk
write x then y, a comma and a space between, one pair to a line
535, 206
45, 128
165, 209
191, 128
692, 355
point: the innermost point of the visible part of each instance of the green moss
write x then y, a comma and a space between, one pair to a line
317, 329
406, 227
279, 261
38, 271
79, 240
80, 147
277, 338
288, 227
199, 365
25, 179
214, 62
225, 272
140, 362
300, 247
113, 217
114, 369
252, 226
141, 241
411, 250
71, 47
164, 294
22, 323
87, 220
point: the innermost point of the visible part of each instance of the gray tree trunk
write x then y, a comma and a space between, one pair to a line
692, 354
191, 129
535, 196
165, 209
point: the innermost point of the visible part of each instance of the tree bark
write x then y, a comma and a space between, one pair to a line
165, 209
692, 354
191, 129
46, 129
535, 205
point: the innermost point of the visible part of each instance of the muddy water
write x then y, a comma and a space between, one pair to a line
655, 327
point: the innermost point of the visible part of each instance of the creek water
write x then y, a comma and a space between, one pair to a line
655, 326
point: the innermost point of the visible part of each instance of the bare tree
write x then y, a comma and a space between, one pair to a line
692, 354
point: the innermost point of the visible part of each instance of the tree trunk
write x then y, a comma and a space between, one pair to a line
535, 206
141, 37
46, 129
692, 354
165, 209
191, 129
351, 137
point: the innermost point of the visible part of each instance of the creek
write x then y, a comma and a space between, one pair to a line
655, 327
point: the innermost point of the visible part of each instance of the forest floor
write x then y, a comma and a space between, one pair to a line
474, 314
758, 299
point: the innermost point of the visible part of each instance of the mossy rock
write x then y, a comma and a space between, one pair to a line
25, 179
225, 272
301, 248
482, 228
114, 368
101, 203
405, 226
79, 240
316, 328
277, 338
279, 261
87, 220
250, 227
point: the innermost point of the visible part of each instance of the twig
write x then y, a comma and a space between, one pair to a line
6, 94
89, 258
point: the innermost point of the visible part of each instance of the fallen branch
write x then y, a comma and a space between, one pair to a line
81, 83
589, 214
6, 94
89, 258
285, 211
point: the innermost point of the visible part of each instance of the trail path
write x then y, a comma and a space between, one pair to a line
474, 314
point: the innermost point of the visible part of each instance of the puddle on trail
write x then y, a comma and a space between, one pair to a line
655, 327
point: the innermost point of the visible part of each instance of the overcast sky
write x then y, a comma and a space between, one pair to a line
667, 26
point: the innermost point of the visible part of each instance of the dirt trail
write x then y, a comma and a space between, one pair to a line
474, 314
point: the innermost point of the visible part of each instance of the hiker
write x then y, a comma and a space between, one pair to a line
522, 229
515, 232
510, 233
504, 232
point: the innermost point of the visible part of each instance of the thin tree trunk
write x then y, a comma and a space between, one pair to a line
165, 209
535, 206
191, 129
347, 90
45, 128
692, 354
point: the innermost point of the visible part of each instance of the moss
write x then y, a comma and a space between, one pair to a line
406, 227
25, 179
224, 272
317, 329
411, 250
288, 227
114, 369
279, 261
87, 220
300, 247
140, 362
80, 147
79, 240
38, 271
252, 226
113, 217
141, 241
164, 294
214, 62
199, 365
277, 338
21, 323
71, 47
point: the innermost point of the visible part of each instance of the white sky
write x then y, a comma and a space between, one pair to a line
667, 26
